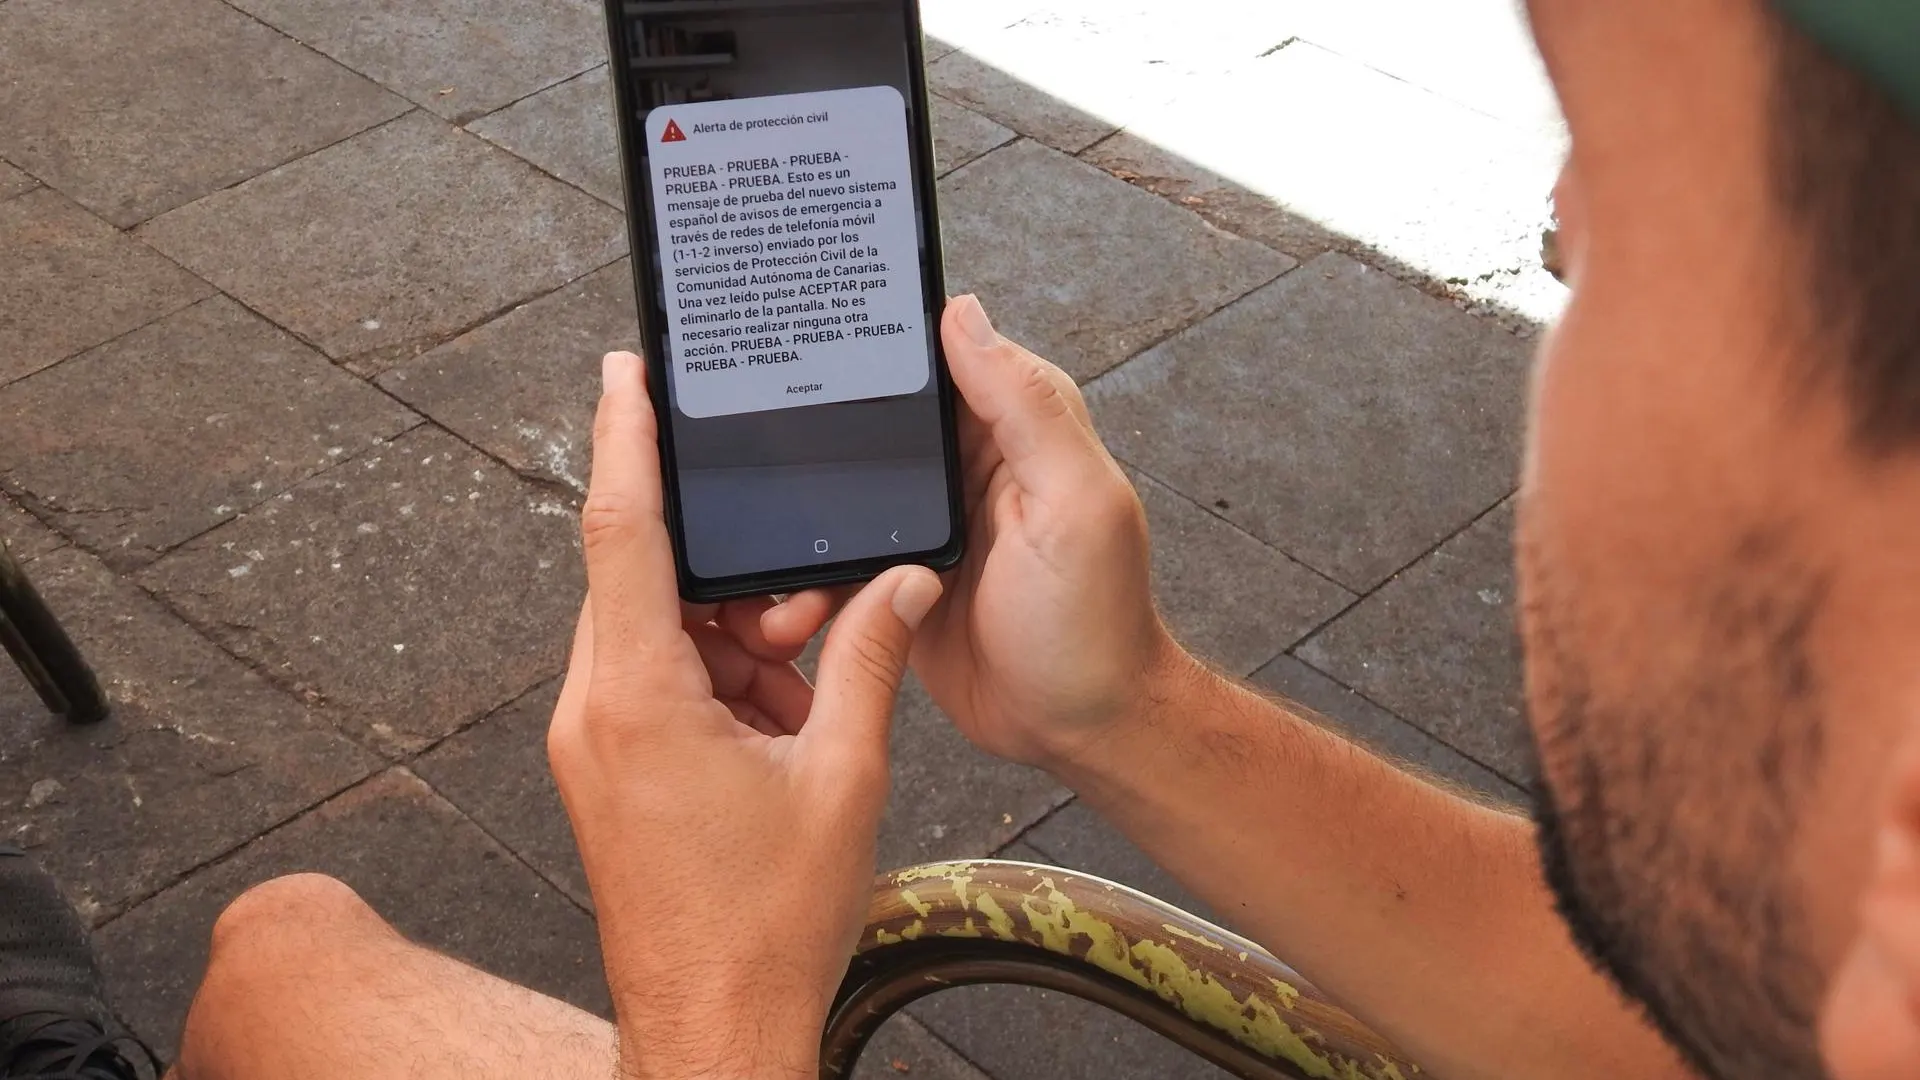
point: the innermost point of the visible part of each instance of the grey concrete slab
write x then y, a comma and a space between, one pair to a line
497, 772
199, 755
160, 435
567, 130
14, 182
1227, 596
960, 135
439, 879
416, 588
69, 281
1342, 710
459, 58
134, 107
1078, 838
1438, 646
23, 533
524, 387
904, 1047
951, 801
1347, 418
393, 241
1017, 1033
1081, 267
1429, 186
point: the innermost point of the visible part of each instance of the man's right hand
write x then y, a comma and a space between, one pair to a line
1047, 638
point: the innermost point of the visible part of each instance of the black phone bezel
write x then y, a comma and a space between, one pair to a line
639, 196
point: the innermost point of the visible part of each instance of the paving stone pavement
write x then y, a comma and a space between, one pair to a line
301, 306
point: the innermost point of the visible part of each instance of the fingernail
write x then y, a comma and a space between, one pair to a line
973, 320
915, 597
617, 369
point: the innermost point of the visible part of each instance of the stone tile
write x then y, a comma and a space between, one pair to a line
1121, 269
523, 387
1342, 416
414, 858
960, 135
1436, 189
1229, 597
1032, 111
1018, 1033
496, 771
933, 48
459, 58
1021, 851
416, 588
1342, 710
1223, 202
1071, 73
953, 24
1080, 839
199, 755
385, 245
951, 801
160, 435
1205, 35
23, 533
1438, 646
14, 182
567, 130
134, 107
904, 1047
1476, 52
68, 282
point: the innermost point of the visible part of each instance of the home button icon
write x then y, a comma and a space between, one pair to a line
820, 547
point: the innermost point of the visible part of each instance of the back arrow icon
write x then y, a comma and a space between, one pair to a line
896, 536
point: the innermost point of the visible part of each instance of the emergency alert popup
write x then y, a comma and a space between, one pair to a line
789, 250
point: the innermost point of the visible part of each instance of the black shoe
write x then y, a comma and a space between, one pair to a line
54, 1020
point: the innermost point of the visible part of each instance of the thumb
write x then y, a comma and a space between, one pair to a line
1034, 412
863, 662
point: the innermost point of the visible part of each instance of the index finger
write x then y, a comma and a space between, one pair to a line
630, 573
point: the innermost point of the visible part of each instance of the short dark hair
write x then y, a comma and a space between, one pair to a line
1846, 165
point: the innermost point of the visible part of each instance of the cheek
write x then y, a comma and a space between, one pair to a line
1868, 1030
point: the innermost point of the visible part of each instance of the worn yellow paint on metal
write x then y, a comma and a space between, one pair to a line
1196, 938
1055, 923
933, 870
999, 923
959, 875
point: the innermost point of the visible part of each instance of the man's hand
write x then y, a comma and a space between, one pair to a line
725, 811
1047, 638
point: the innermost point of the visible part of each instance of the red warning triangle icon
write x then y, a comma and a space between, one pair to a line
673, 133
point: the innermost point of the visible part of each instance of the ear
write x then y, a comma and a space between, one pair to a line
1870, 1023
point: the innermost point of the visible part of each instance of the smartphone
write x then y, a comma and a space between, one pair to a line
778, 160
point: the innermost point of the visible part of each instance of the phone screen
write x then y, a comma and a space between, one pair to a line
780, 184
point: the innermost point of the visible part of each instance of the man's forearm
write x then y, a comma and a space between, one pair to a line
1421, 911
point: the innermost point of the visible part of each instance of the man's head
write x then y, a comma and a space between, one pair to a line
1720, 537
